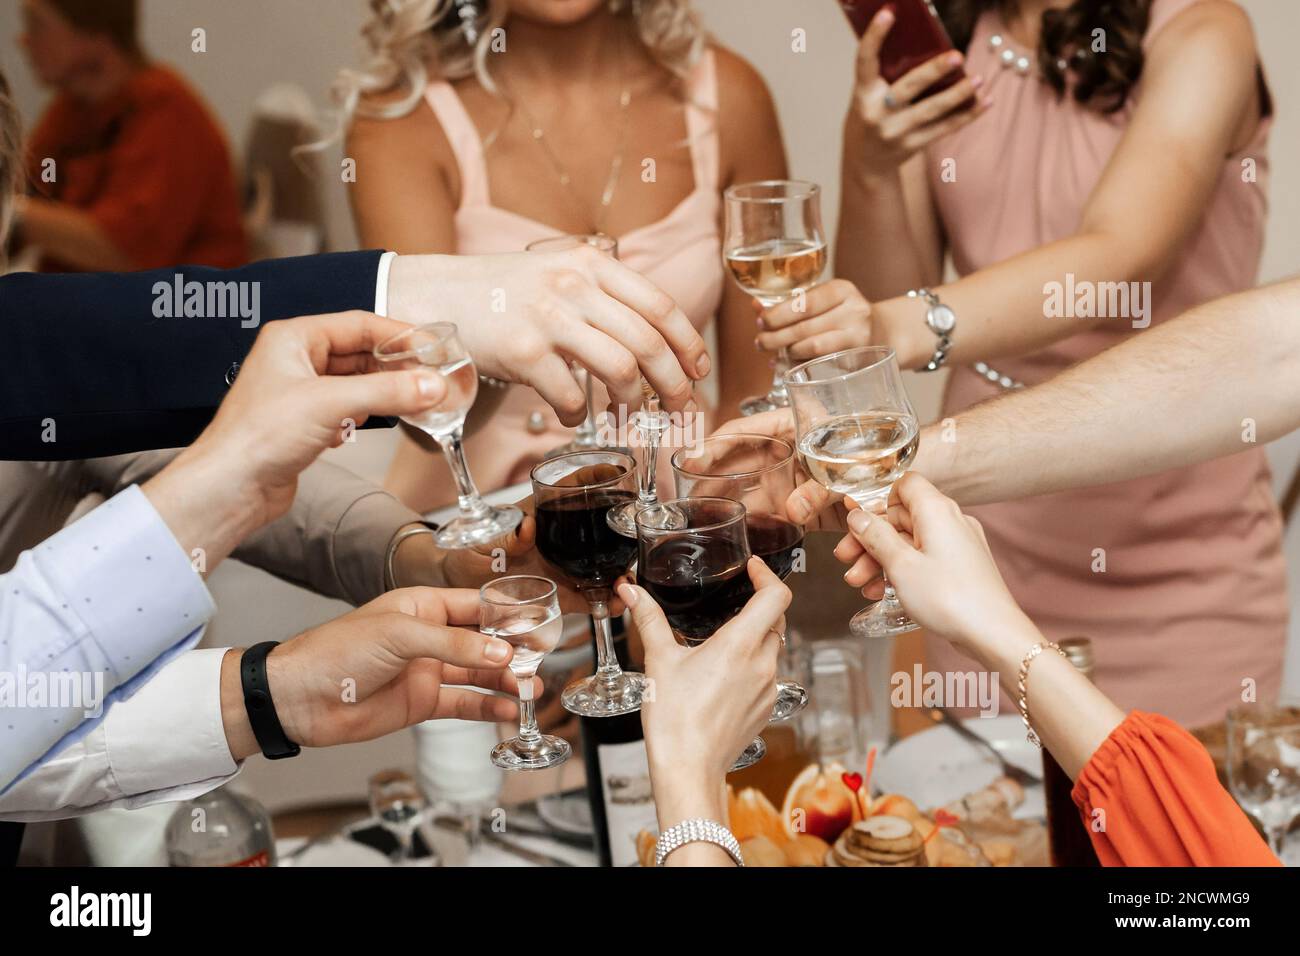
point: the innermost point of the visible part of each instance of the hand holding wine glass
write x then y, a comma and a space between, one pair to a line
774, 247
858, 434
832, 317
711, 699
438, 346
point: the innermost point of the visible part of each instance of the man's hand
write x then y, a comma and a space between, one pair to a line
382, 667
523, 316
302, 389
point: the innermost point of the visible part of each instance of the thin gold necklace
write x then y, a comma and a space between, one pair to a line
562, 173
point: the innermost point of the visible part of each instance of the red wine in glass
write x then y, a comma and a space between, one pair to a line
574, 536
699, 583
775, 540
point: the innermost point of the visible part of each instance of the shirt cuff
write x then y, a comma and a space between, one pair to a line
123, 573
185, 699
381, 283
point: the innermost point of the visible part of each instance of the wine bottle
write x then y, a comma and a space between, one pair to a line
1069, 842
618, 775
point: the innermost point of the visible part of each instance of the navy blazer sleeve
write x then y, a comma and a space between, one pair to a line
104, 364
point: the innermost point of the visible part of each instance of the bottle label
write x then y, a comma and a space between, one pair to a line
260, 858
629, 801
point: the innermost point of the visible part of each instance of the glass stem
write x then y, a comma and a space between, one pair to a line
1276, 837
650, 424
529, 733
586, 435
779, 368
608, 671
467, 496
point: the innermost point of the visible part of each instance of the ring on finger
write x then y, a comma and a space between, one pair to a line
779, 635
890, 102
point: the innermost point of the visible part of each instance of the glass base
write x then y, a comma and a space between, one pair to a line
764, 403
791, 698
466, 532
623, 518
882, 619
751, 755
545, 751
592, 697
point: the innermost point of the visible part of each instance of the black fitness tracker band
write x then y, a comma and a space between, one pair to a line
259, 706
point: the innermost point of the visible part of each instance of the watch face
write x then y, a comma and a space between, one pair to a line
941, 319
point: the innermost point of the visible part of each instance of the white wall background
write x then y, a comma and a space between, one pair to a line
252, 44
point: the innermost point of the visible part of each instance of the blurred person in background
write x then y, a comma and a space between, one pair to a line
127, 168
1135, 174
616, 117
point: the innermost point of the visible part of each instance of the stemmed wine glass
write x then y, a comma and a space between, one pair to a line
758, 471
694, 568
396, 801
524, 611
586, 437
1263, 763
651, 423
573, 495
774, 247
857, 436
438, 346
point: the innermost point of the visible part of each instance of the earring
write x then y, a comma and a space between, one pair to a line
469, 14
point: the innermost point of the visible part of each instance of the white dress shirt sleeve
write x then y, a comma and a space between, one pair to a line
381, 283
166, 743
87, 617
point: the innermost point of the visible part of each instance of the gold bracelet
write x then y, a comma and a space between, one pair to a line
1021, 682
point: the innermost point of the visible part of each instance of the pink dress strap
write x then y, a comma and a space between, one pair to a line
466, 144
702, 122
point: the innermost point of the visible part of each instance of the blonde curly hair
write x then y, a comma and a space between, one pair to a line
406, 52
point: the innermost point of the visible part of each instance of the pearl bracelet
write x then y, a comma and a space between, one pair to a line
697, 831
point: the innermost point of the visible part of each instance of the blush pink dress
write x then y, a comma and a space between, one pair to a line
1191, 608
681, 253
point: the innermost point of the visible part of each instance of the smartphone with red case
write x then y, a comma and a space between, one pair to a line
916, 36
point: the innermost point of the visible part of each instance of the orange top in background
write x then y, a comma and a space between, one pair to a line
1161, 803
151, 166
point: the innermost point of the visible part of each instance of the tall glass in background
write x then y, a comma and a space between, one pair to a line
757, 471
857, 435
586, 437
524, 611
438, 346
573, 495
398, 803
774, 247
1263, 764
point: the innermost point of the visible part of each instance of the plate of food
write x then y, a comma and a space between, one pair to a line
937, 766
829, 818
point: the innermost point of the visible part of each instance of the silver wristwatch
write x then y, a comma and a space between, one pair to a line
941, 320
697, 831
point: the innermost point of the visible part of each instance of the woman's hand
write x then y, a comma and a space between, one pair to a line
382, 667
938, 561
706, 703
897, 124
827, 318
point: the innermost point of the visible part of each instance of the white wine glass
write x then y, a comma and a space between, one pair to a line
438, 346
586, 437
774, 247
524, 611
857, 435
1263, 764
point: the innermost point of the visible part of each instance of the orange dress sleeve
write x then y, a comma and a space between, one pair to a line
1150, 797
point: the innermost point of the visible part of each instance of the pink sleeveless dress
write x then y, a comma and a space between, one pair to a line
681, 253
1192, 602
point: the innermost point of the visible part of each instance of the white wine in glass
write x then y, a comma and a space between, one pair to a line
774, 247
438, 346
857, 435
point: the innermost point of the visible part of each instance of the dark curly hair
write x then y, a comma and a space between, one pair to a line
1099, 82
